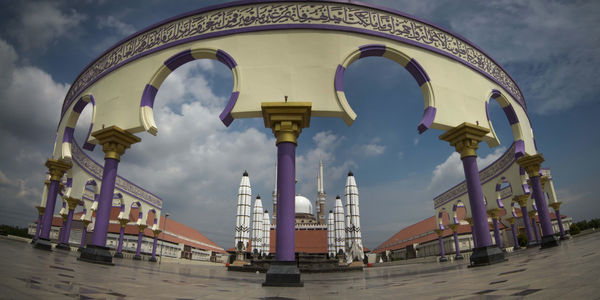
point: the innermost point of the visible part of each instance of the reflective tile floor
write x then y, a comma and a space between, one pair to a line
570, 271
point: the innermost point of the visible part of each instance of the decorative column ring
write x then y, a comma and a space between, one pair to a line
439, 233
522, 201
511, 221
56, 169
286, 120
465, 138
114, 141
454, 228
532, 165
156, 232
556, 207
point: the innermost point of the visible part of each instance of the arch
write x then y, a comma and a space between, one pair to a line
513, 121
152, 219
71, 121
440, 218
389, 52
455, 207
174, 62
503, 191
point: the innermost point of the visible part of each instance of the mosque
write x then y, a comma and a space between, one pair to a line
339, 233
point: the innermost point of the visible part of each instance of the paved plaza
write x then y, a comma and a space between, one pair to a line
570, 271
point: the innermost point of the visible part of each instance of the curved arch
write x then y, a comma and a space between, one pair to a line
174, 62
440, 218
503, 190
410, 64
458, 204
152, 213
513, 121
73, 117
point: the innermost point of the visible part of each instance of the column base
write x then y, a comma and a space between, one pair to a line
283, 273
118, 255
565, 237
62, 246
96, 254
534, 244
549, 241
137, 257
458, 257
153, 259
443, 259
484, 256
43, 244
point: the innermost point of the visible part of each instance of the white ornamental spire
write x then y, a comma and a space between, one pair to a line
321, 196
340, 236
266, 233
354, 243
331, 234
242, 220
257, 226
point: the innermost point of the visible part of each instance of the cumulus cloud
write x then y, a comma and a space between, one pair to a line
119, 26
450, 172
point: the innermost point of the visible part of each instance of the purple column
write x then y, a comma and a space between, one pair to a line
535, 230
83, 236
138, 251
497, 233
37, 227
473, 236
442, 251
560, 224
49, 211
528, 228
514, 234
154, 248
105, 202
478, 212
121, 233
540, 202
67, 231
456, 244
286, 172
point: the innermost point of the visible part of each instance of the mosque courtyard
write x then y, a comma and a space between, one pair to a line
570, 271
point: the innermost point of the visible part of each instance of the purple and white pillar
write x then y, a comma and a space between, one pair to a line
286, 177
456, 245
153, 258
514, 234
119, 253
536, 230
39, 224
84, 233
560, 224
497, 233
107, 188
57, 170
528, 228
138, 251
441, 242
480, 224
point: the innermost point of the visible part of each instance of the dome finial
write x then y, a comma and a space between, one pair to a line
350, 173
245, 173
258, 196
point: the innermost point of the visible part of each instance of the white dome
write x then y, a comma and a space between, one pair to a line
303, 205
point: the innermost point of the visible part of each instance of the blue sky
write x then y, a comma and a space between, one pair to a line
551, 48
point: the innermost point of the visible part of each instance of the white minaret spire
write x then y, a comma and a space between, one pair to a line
257, 226
331, 234
242, 220
354, 242
266, 233
340, 236
321, 196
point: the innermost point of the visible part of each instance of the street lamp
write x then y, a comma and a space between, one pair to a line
163, 238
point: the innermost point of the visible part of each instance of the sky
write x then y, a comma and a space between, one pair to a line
195, 163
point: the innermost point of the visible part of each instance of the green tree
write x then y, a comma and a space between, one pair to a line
522, 239
575, 229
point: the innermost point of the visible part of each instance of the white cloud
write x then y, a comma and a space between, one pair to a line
450, 172
41, 23
119, 26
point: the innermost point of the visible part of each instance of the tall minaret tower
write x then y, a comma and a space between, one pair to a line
266, 233
321, 196
275, 197
257, 226
340, 230
242, 220
354, 242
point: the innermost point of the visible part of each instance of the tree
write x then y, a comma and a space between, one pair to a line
574, 229
522, 239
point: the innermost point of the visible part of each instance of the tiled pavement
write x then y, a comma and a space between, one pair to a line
570, 271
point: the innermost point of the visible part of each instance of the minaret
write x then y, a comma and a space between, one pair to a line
275, 197
266, 233
355, 247
257, 226
340, 232
242, 221
331, 234
321, 196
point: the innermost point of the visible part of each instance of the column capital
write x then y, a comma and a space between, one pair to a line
494, 213
156, 232
47, 182
439, 232
40, 209
115, 141
544, 180
532, 164
469, 220
531, 213
72, 202
64, 217
286, 119
57, 168
86, 223
511, 220
521, 200
465, 138
141, 227
123, 222
454, 227
555, 205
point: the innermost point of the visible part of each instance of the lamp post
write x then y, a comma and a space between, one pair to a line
163, 238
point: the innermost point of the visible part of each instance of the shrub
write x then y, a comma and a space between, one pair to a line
575, 229
522, 240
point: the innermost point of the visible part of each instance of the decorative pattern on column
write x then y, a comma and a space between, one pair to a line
522, 201
454, 227
119, 253
556, 207
513, 229
156, 232
57, 169
72, 204
138, 251
286, 120
532, 164
114, 141
465, 138
440, 232
495, 218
